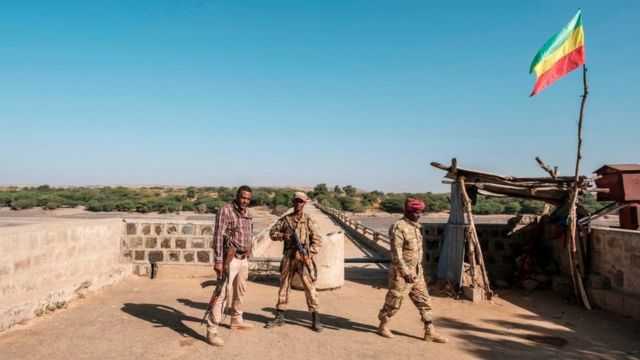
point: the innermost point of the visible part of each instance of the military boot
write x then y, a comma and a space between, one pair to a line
239, 324
213, 339
316, 326
277, 321
383, 330
430, 334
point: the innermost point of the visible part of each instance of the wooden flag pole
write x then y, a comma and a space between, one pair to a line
572, 220
584, 100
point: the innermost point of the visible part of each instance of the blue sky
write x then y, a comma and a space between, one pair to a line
294, 92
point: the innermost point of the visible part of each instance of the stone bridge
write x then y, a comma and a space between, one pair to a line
69, 291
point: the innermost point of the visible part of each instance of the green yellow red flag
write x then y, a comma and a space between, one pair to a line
560, 55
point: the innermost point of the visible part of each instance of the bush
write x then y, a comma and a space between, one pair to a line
260, 198
23, 203
282, 198
329, 201
393, 204
512, 207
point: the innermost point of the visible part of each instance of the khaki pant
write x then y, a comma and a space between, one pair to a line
238, 275
398, 288
289, 268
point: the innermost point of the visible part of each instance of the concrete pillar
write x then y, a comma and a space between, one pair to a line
330, 263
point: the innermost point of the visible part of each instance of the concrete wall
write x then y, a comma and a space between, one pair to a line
44, 266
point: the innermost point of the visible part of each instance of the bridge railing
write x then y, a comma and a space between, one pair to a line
378, 240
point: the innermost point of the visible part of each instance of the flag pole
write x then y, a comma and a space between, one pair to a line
575, 260
584, 99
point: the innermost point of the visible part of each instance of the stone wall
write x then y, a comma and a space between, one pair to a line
501, 244
172, 243
615, 253
44, 266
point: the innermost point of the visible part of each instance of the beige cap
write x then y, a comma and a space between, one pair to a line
300, 195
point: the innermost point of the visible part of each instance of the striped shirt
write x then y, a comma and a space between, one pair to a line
236, 226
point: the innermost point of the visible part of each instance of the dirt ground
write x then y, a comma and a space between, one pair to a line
143, 318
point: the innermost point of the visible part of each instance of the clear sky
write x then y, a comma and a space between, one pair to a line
304, 92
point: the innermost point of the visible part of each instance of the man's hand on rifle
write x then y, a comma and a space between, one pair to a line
218, 268
286, 237
409, 278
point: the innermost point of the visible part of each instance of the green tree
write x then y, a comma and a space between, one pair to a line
349, 190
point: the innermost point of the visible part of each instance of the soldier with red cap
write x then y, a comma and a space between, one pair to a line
406, 275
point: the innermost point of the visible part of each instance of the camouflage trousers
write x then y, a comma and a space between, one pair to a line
398, 288
289, 268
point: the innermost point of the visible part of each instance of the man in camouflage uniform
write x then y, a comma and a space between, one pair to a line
406, 275
293, 263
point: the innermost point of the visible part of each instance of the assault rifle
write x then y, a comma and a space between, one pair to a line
229, 253
304, 254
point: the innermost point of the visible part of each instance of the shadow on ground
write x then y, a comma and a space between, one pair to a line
164, 316
331, 322
522, 339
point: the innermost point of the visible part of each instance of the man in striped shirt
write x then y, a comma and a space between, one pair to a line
234, 225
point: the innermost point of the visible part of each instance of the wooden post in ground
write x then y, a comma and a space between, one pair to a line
473, 240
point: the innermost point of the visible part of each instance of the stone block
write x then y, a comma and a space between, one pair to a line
188, 256
618, 279
188, 229
127, 255
124, 242
205, 230
158, 229
613, 243
142, 270
174, 256
22, 264
166, 243
156, 256
598, 281
132, 229
139, 255
151, 242
203, 256
475, 294
135, 242
181, 243
146, 229
172, 229
635, 261
197, 243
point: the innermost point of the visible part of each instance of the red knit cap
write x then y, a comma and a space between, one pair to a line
413, 205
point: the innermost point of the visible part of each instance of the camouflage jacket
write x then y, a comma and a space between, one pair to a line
406, 246
306, 228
